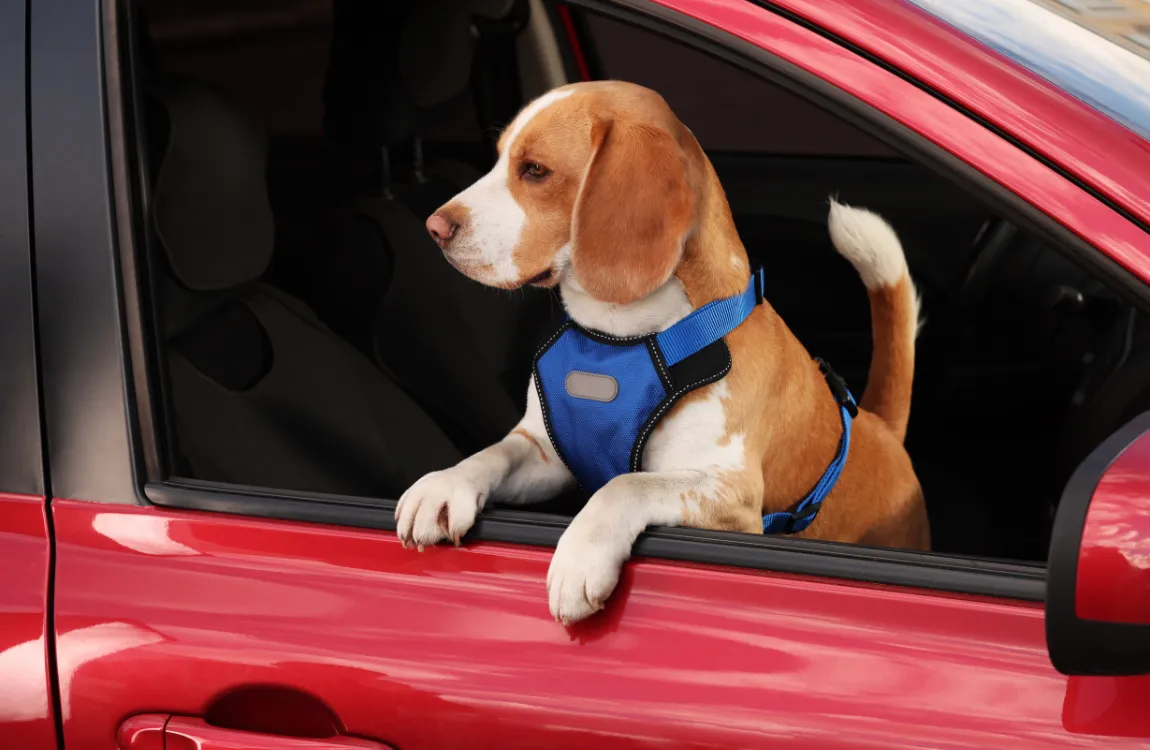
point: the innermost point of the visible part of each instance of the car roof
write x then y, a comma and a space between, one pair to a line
1062, 129
1095, 50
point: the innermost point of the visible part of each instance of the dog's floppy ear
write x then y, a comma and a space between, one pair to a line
634, 210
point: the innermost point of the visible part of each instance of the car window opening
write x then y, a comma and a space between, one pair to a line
311, 338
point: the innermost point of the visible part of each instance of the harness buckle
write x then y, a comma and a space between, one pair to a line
838, 388
759, 283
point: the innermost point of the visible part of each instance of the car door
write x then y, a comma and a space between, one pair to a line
204, 615
27, 716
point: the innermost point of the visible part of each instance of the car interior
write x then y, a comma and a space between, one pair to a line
311, 337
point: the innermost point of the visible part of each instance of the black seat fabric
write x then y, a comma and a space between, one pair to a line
461, 349
262, 392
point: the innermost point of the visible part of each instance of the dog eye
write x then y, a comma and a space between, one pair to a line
532, 171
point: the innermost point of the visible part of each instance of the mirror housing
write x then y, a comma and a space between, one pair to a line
1098, 574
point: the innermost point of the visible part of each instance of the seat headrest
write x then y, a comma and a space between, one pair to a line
401, 62
210, 206
437, 46
493, 9
435, 51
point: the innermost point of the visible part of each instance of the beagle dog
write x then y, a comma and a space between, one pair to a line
600, 191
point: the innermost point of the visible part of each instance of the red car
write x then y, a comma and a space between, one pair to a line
229, 345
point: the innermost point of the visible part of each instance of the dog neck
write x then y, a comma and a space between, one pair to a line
714, 265
656, 312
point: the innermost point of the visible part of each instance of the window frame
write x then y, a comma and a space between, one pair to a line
147, 484
22, 459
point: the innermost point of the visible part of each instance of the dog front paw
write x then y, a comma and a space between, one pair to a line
583, 573
438, 507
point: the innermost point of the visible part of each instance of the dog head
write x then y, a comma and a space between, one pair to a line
595, 184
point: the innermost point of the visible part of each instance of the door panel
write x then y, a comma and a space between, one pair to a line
172, 612
26, 715
277, 627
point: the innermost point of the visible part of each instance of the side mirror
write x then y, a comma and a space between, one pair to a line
1098, 574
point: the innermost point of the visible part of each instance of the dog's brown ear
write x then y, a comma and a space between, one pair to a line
634, 210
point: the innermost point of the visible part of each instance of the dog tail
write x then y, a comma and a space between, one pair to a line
872, 247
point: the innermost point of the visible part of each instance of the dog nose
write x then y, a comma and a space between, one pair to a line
441, 228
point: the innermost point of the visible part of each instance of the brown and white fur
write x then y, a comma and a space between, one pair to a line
601, 191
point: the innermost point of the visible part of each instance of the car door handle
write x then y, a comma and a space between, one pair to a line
164, 732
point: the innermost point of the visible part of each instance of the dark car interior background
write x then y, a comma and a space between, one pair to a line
309, 335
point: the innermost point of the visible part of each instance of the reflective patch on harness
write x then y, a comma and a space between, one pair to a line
588, 385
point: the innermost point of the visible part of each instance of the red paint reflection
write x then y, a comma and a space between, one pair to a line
1114, 563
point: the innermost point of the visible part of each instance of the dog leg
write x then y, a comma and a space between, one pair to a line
591, 552
521, 468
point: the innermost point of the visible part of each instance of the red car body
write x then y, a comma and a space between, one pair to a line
146, 617
421, 651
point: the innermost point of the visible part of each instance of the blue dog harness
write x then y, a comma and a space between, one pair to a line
603, 395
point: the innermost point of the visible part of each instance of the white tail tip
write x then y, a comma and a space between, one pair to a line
869, 243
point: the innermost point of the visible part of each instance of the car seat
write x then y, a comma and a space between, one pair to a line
261, 391
461, 349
